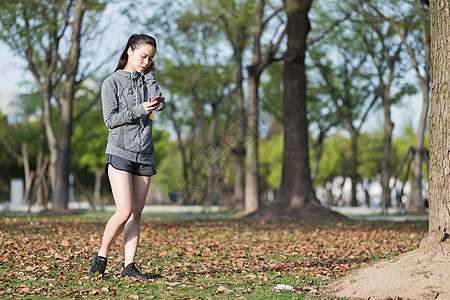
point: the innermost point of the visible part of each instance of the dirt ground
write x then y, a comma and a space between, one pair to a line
420, 274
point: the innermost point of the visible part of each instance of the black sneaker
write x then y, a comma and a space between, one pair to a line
98, 266
132, 271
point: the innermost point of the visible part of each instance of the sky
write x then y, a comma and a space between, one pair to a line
12, 71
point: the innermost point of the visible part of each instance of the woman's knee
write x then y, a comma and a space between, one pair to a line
137, 214
123, 215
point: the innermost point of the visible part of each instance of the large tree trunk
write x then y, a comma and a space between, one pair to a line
60, 196
296, 184
439, 183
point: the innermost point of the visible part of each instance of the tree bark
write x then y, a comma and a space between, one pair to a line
60, 196
354, 176
296, 184
29, 175
238, 195
251, 193
439, 183
387, 150
251, 202
98, 188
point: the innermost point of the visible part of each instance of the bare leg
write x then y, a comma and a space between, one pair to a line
122, 189
133, 226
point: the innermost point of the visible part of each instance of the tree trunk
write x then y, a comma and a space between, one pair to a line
318, 150
251, 193
439, 183
252, 159
38, 184
387, 150
98, 188
416, 201
354, 168
29, 175
50, 134
259, 63
296, 184
60, 196
238, 195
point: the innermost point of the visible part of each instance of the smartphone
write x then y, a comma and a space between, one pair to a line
159, 100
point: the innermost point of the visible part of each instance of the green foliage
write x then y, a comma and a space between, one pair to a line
335, 159
89, 142
9, 166
370, 147
89, 134
169, 168
271, 158
272, 96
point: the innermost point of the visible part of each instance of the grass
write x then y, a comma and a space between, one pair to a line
49, 256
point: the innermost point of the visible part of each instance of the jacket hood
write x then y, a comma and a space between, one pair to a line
129, 75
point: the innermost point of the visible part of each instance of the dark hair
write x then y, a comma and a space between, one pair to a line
134, 41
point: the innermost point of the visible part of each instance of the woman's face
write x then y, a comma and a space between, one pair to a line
140, 58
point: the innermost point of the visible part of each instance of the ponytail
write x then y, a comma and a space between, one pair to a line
134, 42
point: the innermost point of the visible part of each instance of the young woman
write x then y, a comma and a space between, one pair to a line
128, 101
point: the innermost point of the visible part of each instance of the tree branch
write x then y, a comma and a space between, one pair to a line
402, 36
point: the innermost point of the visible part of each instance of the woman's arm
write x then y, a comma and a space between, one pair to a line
110, 104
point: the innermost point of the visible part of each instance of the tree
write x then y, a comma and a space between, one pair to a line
235, 20
420, 60
347, 79
439, 187
296, 185
322, 114
39, 32
384, 49
296, 197
260, 62
89, 141
432, 255
198, 78
60, 195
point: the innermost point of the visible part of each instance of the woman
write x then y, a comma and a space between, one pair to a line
128, 108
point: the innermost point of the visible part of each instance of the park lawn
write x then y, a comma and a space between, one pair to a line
44, 257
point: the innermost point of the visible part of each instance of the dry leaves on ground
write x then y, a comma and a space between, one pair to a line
51, 256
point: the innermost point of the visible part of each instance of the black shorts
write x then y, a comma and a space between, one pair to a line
126, 165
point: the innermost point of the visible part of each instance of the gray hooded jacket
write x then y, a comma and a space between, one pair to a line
130, 128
